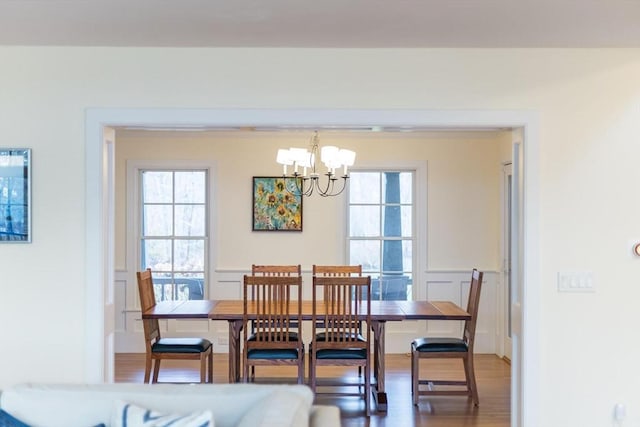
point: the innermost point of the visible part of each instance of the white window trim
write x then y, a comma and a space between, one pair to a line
133, 212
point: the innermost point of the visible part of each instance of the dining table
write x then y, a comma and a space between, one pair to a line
382, 312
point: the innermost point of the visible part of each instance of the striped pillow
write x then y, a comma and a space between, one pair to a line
129, 415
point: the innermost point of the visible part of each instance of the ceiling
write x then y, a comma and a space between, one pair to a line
321, 23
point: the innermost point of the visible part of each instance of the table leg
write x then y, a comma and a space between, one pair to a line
235, 326
379, 395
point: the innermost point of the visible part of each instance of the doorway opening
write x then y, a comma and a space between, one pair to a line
99, 204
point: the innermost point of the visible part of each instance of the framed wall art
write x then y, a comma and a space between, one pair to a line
276, 206
15, 195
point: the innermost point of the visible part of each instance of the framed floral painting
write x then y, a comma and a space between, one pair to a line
277, 206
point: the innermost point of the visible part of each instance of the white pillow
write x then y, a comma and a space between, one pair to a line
129, 415
280, 409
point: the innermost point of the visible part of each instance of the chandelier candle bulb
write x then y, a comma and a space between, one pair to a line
284, 158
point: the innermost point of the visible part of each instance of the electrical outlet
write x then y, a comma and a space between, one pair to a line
575, 281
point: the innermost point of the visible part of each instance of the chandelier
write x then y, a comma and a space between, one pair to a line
306, 177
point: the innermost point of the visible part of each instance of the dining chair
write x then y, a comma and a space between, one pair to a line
450, 348
273, 305
287, 270
158, 348
340, 305
339, 270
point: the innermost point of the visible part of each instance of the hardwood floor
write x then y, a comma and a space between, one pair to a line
493, 375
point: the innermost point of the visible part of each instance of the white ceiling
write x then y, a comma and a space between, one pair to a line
322, 23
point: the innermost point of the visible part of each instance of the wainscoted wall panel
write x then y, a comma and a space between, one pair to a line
227, 284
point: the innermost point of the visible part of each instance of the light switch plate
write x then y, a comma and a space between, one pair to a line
575, 281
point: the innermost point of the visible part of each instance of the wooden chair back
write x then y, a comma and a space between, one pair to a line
276, 270
273, 304
337, 270
147, 302
345, 303
472, 308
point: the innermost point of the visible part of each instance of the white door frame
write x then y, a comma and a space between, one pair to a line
505, 344
99, 189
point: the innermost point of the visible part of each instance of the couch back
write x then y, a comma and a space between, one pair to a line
233, 405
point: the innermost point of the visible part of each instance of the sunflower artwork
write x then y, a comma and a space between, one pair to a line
276, 207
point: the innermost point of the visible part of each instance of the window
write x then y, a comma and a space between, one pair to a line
173, 241
380, 235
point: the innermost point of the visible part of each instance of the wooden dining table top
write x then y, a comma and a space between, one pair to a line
233, 310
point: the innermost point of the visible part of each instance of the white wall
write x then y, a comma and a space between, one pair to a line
588, 103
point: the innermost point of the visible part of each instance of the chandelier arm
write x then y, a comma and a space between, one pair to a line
344, 185
309, 190
328, 189
332, 193
299, 183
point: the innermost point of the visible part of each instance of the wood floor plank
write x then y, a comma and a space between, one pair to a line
493, 375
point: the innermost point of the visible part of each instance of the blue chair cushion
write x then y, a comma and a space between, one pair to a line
181, 345
439, 345
356, 353
280, 353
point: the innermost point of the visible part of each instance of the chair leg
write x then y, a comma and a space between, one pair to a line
415, 377
203, 367
312, 373
210, 367
471, 378
156, 370
367, 388
245, 371
301, 368
147, 368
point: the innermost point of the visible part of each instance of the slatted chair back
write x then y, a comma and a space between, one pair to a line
338, 271
345, 303
272, 305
